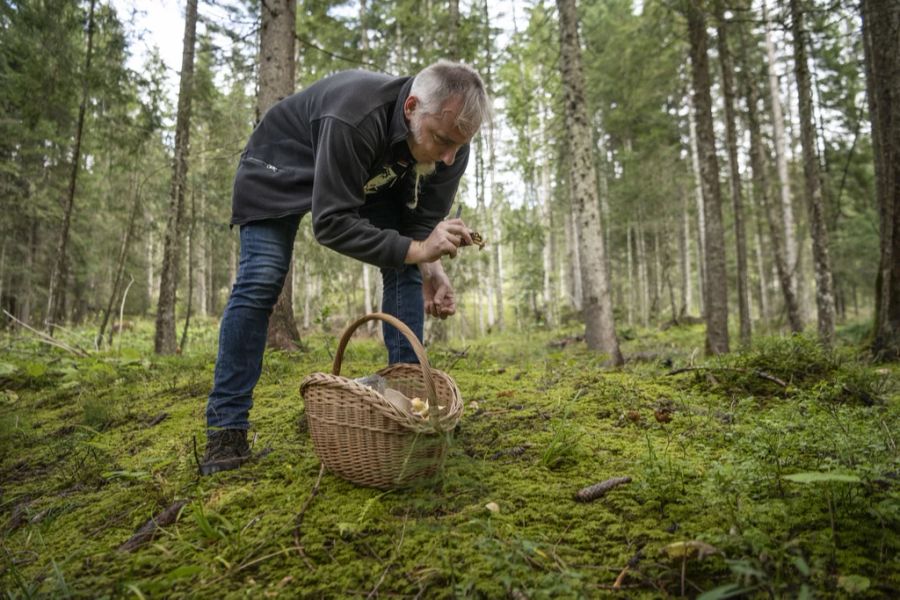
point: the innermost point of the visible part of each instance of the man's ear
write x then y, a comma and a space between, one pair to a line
409, 106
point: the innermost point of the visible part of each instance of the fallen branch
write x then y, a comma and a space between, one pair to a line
761, 374
47, 339
632, 563
149, 529
298, 520
459, 355
598, 490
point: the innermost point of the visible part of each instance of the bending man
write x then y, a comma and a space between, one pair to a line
377, 161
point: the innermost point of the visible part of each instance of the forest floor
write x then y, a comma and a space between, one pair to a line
773, 472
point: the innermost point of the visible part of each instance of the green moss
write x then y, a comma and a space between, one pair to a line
82, 468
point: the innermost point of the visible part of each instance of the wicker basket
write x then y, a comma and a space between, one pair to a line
360, 436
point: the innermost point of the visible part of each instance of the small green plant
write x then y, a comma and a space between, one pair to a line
562, 449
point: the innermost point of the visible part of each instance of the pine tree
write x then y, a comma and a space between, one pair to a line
165, 341
600, 333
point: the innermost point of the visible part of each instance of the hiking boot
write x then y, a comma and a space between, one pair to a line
225, 449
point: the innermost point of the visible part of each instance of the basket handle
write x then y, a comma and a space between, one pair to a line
410, 336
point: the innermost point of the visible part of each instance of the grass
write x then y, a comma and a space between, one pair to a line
739, 485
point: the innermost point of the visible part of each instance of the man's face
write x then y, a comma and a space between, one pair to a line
434, 137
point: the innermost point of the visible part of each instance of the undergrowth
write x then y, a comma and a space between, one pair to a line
771, 472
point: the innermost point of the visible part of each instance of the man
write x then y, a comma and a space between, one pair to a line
377, 160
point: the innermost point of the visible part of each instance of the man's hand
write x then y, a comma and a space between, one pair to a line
439, 298
446, 238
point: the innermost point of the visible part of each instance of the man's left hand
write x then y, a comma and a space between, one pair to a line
440, 301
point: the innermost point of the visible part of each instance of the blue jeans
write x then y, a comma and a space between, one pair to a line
266, 250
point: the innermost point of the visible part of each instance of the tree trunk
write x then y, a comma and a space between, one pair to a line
786, 203
685, 254
633, 287
761, 193
120, 266
573, 268
737, 203
643, 276
815, 204
276, 81
453, 29
698, 197
881, 36
716, 288
201, 250
165, 342
549, 302
600, 332
60, 268
190, 274
762, 284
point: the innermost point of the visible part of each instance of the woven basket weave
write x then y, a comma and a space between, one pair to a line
360, 436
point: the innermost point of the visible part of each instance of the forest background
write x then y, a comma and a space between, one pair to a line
90, 204
703, 193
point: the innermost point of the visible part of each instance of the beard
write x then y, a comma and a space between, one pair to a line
423, 169
415, 127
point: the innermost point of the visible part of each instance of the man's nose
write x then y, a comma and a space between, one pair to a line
448, 157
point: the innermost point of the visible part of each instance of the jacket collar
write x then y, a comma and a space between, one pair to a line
398, 130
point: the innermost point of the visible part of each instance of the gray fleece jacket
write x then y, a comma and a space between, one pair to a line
336, 149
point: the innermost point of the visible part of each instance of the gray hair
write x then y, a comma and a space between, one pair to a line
439, 82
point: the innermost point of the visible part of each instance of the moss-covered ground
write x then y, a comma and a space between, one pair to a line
740, 486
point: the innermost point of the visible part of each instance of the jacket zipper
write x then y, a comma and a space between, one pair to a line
261, 163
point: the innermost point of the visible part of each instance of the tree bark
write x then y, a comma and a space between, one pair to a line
165, 339
761, 193
815, 203
120, 266
453, 29
737, 202
192, 229
58, 275
716, 290
276, 81
881, 37
600, 333
786, 203
685, 254
698, 197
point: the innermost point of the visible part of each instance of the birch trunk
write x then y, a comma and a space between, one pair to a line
600, 333
815, 203
781, 164
769, 207
762, 285
684, 246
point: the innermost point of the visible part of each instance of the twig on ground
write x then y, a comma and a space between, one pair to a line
159, 419
378, 583
632, 563
47, 339
148, 531
459, 356
761, 374
298, 520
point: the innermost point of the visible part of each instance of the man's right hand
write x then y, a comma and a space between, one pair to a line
446, 238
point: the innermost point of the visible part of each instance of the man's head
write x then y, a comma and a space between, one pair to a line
446, 105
